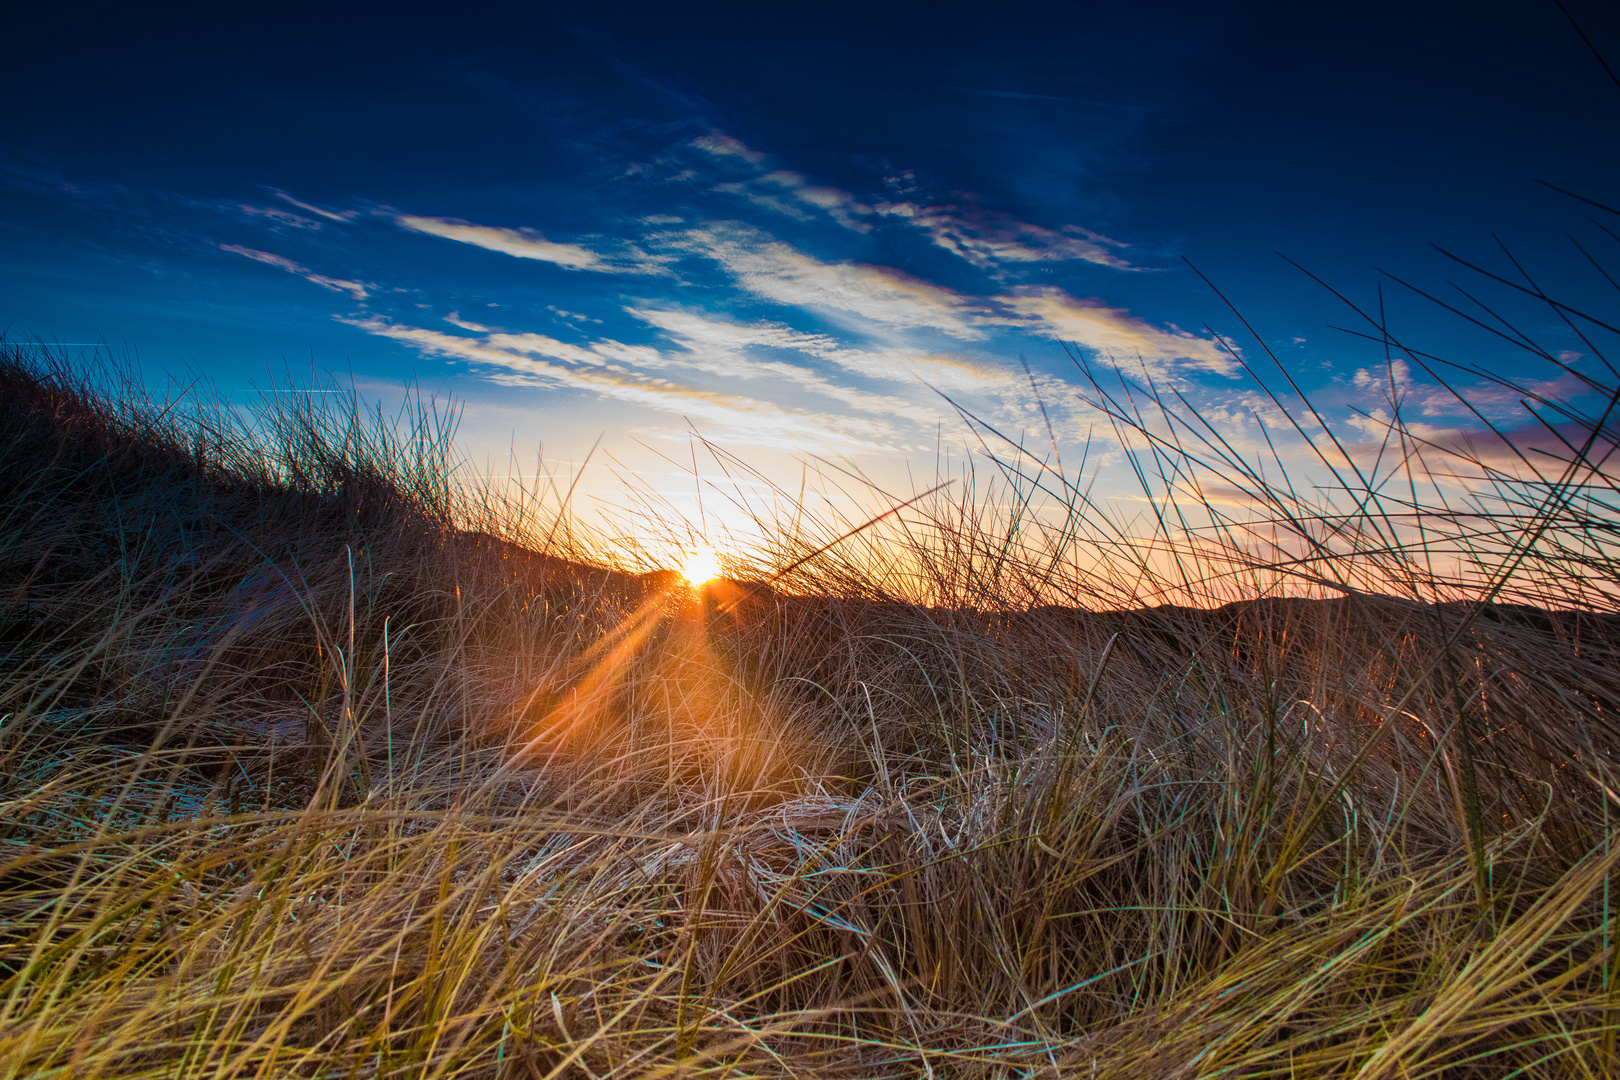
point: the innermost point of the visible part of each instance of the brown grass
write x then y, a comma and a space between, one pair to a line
309, 769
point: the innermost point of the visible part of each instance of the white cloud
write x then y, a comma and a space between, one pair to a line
946, 373
725, 146
519, 243
1365, 379
330, 215
455, 319
355, 289
1377, 424
893, 365
542, 345
763, 200
733, 419
1113, 332
836, 203
775, 270
1501, 404
720, 347
572, 316
693, 329
984, 238
277, 215
989, 240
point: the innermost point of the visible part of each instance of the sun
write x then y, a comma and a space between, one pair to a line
701, 565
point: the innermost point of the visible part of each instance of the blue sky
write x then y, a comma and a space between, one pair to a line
792, 230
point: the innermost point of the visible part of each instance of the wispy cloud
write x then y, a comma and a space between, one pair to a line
519, 243
700, 332
356, 289
692, 329
721, 347
780, 272
894, 299
836, 203
1377, 424
532, 244
1113, 332
764, 200
772, 191
604, 353
986, 239
951, 374
330, 215
527, 359
277, 215
1464, 452
989, 240
732, 350
725, 146
1396, 383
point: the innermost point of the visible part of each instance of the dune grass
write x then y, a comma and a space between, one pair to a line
310, 767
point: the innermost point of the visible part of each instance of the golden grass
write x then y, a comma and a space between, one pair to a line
307, 771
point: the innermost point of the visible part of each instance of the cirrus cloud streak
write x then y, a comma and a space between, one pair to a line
356, 289
527, 359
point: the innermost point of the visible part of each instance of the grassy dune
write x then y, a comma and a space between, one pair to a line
310, 768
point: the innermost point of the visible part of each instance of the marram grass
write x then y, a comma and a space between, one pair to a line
307, 771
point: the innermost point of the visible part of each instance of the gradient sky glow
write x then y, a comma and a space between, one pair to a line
789, 229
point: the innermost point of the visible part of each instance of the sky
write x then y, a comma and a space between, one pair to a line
808, 236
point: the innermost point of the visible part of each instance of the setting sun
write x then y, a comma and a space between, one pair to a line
700, 566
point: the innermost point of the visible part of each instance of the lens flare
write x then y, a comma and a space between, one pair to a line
701, 566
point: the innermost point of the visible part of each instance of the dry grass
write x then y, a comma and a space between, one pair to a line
308, 770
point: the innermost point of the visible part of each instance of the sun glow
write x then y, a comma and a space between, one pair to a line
701, 566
